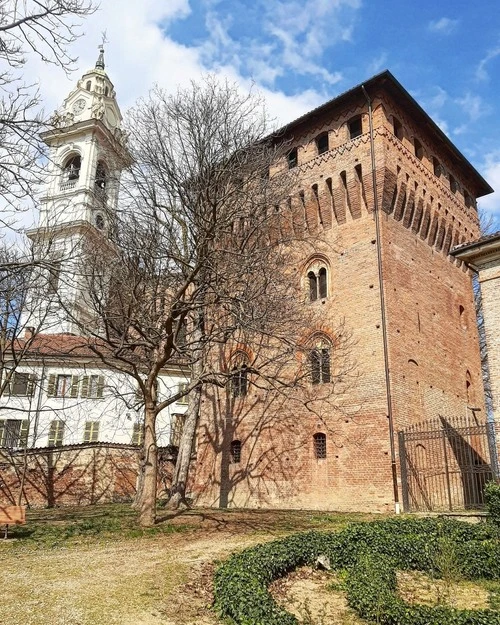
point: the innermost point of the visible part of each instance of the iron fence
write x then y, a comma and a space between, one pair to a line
446, 463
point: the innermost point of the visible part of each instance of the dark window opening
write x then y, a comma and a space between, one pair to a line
322, 283
322, 143
397, 128
239, 381
453, 184
99, 221
469, 202
355, 126
292, 158
320, 445
88, 85
419, 150
437, 167
53, 278
106, 91
72, 168
320, 365
100, 176
313, 286
235, 452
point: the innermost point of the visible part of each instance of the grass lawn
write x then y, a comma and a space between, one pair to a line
92, 566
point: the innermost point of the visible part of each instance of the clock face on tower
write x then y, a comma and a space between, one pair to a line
78, 106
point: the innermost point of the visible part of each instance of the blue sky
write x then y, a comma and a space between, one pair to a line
299, 54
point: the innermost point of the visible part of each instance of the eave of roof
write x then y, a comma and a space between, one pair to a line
388, 81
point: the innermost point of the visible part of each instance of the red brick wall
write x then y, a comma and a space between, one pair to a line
75, 475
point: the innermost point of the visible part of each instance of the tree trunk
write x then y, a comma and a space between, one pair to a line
177, 497
145, 502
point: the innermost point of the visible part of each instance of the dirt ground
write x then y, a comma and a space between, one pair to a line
153, 580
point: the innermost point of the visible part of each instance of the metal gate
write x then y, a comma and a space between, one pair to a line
446, 463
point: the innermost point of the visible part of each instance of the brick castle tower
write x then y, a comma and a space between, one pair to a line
386, 196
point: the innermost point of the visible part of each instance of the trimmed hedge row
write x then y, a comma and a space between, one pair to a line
370, 552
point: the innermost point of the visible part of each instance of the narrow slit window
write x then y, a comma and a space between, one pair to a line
313, 286
419, 150
292, 158
322, 279
397, 127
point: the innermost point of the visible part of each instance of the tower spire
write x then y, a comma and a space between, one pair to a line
100, 61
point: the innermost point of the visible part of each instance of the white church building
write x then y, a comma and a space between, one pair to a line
60, 392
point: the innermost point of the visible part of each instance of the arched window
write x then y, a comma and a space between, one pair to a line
313, 286
106, 91
101, 177
235, 452
71, 169
319, 440
239, 381
317, 278
88, 85
322, 283
320, 362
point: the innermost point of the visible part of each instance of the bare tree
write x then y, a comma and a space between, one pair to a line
198, 262
45, 28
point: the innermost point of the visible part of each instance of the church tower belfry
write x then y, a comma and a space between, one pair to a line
86, 157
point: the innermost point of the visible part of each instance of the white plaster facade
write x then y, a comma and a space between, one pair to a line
61, 394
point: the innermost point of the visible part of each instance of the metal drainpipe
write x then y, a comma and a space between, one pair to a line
382, 309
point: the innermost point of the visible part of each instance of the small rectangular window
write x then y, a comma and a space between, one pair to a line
397, 128
320, 446
56, 433
54, 278
293, 158
355, 127
91, 434
322, 143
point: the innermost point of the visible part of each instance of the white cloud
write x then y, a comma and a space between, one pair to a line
444, 25
481, 73
491, 172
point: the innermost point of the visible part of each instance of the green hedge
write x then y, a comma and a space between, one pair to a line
370, 552
492, 499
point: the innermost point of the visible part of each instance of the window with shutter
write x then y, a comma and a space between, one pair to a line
13, 433
184, 400
138, 434
51, 385
91, 434
56, 433
63, 385
22, 384
75, 384
84, 386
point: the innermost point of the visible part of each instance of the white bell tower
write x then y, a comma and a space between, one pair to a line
86, 156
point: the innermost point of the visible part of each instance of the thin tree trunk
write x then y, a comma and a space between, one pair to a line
177, 497
145, 503
181, 472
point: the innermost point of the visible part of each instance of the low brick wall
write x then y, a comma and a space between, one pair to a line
76, 474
